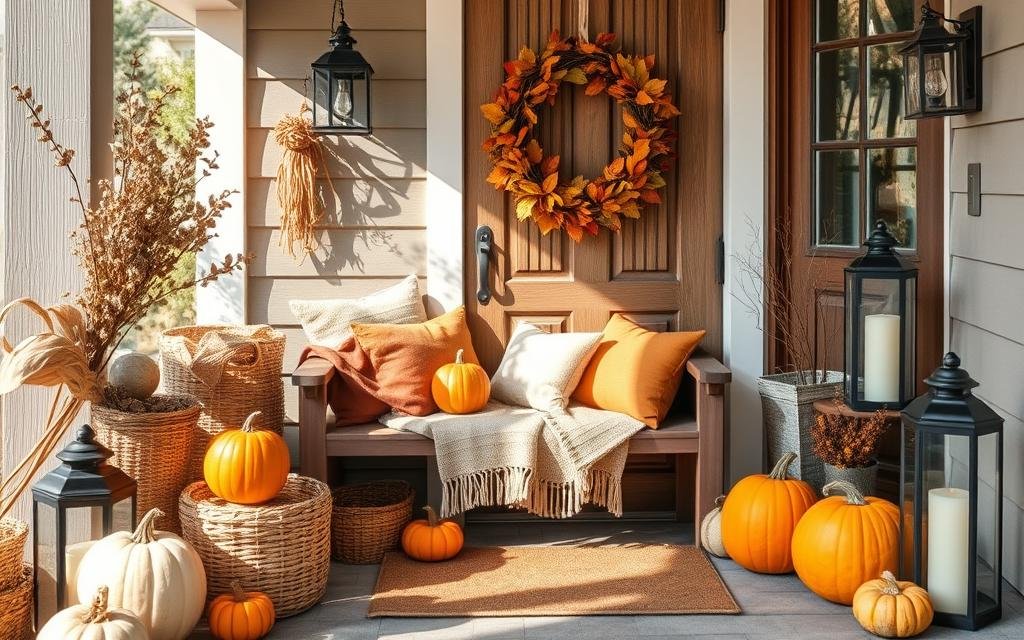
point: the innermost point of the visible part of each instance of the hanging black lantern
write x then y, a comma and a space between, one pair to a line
880, 319
341, 83
942, 67
951, 475
84, 494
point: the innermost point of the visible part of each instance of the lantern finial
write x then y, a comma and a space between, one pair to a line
881, 242
950, 380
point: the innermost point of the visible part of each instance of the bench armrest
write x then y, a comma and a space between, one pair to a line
314, 372
706, 369
312, 377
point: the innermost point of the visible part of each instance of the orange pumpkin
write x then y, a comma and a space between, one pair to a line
845, 540
892, 609
240, 615
246, 466
461, 387
433, 539
759, 516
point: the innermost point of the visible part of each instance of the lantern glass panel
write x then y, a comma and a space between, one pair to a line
67, 538
988, 519
124, 515
879, 353
321, 98
912, 66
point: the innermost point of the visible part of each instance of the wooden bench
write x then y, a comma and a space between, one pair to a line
698, 434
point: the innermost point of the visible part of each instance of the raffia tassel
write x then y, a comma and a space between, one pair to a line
301, 207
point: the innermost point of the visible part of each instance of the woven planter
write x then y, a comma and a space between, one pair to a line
788, 414
16, 605
368, 519
232, 371
13, 534
153, 448
864, 478
281, 547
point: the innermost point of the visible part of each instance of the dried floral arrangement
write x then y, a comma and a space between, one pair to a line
128, 244
845, 441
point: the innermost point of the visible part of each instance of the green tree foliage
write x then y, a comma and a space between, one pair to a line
130, 20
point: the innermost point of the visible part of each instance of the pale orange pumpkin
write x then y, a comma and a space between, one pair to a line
246, 466
892, 609
241, 615
845, 540
433, 539
461, 387
759, 516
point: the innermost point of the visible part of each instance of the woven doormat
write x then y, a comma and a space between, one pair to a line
552, 581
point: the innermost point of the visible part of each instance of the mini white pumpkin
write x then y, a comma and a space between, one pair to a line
154, 574
711, 531
94, 622
136, 373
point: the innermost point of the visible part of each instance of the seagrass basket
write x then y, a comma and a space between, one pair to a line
281, 547
368, 519
232, 370
153, 448
13, 533
16, 605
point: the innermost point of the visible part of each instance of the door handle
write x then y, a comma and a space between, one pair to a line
484, 240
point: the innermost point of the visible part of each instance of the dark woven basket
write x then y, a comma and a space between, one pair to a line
368, 519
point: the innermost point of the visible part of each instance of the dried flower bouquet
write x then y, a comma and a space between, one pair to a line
127, 244
845, 441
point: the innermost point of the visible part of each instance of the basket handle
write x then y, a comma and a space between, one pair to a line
215, 352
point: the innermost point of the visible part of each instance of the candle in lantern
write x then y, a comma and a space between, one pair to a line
73, 555
882, 357
948, 552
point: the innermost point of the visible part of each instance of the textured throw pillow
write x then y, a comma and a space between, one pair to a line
352, 392
636, 371
406, 356
540, 369
327, 323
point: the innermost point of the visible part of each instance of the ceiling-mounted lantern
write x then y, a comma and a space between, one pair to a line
341, 83
942, 65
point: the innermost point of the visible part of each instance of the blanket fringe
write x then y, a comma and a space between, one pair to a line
566, 499
492, 487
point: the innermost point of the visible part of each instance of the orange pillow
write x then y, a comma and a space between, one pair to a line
405, 357
636, 371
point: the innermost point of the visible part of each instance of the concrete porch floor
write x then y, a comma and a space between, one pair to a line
774, 607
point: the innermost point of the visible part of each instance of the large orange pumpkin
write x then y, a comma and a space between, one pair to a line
461, 387
845, 540
246, 466
432, 540
759, 516
241, 615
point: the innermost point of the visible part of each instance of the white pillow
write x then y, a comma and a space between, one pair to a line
328, 323
540, 369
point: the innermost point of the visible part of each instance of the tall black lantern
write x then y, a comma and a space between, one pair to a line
881, 314
341, 83
942, 67
83, 495
951, 476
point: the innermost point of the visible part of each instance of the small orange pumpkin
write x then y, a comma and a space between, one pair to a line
240, 615
246, 466
844, 541
759, 516
891, 608
433, 539
460, 387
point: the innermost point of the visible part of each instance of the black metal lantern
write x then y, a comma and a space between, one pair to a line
951, 474
83, 495
942, 67
881, 315
341, 83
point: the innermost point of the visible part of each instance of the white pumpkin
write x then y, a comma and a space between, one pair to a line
154, 574
711, 530
94, 622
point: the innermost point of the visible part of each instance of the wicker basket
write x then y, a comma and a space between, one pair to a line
154, 449
16, 606
281, 547
232, 370
368, 519
13, 534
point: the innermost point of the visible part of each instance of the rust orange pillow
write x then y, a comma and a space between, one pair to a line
352, 392
636, 371
405, 357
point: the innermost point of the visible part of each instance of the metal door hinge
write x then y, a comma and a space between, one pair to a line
721, 16
720, 261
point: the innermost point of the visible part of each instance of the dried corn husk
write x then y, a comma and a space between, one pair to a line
301, 206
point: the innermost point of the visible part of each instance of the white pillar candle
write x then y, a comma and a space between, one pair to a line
948, 550
73, 555
882, 357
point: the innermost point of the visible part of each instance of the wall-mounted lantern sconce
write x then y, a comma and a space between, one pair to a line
341, 83
942, 66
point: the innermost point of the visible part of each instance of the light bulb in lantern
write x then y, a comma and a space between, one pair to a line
935, 84
343, 100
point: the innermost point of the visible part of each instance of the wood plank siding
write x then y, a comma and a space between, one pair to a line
986, 291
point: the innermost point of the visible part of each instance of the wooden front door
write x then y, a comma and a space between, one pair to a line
661, 270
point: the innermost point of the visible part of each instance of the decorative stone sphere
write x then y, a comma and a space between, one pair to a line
136, 373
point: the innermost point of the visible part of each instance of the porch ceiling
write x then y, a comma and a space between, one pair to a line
186, 9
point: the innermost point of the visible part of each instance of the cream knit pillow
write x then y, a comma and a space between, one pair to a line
540, 369
328, 323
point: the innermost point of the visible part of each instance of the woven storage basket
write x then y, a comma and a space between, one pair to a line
13, 534
232, 371
16, 606
368, 519
154, 449
281, 547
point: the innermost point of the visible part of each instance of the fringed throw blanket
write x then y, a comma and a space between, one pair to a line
550, 464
